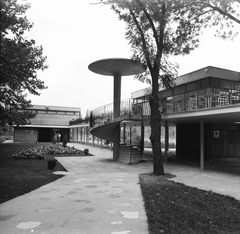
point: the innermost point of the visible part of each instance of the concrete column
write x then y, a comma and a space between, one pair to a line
81, 134
124, 133
130, 135
87, 135
116, 95
142, 137
116, 140
202, 145
166, 140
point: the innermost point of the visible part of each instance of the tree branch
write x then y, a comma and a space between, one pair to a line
149, 20
222, 12
161, 37
144, 44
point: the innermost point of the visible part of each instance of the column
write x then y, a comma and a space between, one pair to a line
142, 137
202, 145
166, 140
116, 95
124, 133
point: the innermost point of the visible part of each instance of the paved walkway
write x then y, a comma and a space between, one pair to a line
98, 196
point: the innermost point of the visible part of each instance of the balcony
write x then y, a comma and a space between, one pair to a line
195, 101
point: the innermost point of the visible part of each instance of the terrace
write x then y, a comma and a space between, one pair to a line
220, 94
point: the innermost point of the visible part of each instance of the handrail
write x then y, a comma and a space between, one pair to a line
198, 100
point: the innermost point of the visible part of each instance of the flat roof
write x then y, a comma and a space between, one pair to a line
42, 126
202, 73
56, 108
209, 71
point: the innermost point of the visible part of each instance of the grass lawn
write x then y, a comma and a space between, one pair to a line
174, 208
19, 176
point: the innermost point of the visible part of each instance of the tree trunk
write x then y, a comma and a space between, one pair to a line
155, 129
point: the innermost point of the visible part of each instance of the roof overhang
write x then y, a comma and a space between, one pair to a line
224, 115
42, 126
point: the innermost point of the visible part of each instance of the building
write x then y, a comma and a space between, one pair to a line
204, 106
49, 121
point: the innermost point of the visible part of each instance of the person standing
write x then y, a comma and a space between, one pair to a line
59, 137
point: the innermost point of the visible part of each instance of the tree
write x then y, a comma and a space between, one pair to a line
20, 61
156, 29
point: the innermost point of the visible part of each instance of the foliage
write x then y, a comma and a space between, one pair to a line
223, 15
20, 61
86, 151
42, 151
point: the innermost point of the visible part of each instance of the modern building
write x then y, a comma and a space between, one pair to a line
204, 106
49, 121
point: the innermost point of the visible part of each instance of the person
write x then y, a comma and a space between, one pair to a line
59, 137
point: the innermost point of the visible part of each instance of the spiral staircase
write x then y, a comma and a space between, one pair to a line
105, 126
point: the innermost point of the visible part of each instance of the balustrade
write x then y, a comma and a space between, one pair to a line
192, 101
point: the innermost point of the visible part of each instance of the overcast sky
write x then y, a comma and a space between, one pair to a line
75, 33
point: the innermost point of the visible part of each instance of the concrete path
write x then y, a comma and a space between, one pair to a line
98, 195
218, 182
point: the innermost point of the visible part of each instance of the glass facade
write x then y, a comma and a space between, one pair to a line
225, 93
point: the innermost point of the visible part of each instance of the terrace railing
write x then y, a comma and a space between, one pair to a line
127, 109
208, 98
191, 101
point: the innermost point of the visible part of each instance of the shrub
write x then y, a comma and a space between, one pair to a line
51, 164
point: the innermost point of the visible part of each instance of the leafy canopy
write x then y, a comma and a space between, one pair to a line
20, 61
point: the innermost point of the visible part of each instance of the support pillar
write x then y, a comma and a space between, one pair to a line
130, 135
116, 140
124, 133
142, 137
166, 140
81, 135
116, 95
87, 135
202, 145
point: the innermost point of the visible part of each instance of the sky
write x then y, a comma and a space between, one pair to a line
75, 33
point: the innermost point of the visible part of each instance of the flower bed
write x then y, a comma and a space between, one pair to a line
40, 152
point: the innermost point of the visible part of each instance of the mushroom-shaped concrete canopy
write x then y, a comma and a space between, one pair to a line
120, 66
117, 67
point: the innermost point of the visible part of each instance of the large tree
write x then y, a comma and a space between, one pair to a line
20, 60
157, 29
